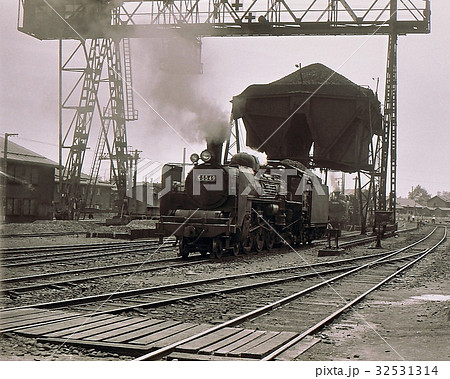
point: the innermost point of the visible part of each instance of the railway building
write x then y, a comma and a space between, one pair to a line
409, 207
437, 206
28, 184
440, 206
439, 202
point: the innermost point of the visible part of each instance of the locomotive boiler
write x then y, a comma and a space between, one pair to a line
242, 206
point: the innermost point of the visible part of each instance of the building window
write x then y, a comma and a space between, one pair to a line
17, 207
34, 175
29, 207
26, 207
9, 207
13, 207
33, 207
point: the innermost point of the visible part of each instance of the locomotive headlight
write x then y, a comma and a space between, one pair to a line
194, 158
206, 156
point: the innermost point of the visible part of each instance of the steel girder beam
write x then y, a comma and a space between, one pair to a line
82, 19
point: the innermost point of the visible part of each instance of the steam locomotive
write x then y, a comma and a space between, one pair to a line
343, 210
242, 206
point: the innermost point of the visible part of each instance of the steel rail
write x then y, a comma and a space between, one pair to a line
51, 252
237, 320
196, 296
90, 246
110, 252
37, 249
69, 253
87, 270
111, 267
101, 276
341, 310
194, 261
77, 271
144, 291
49, 234
171, 300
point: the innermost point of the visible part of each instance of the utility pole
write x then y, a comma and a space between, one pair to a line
183, 173
136, 159
5, 171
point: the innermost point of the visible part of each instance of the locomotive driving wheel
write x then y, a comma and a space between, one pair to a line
269, 239
258, 239
216, 248
246, 242
246, 245
235, 248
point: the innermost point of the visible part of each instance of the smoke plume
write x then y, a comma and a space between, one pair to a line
181, 97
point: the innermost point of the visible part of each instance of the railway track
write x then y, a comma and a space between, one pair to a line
48, 234
70, 247
116, 270
291, 347
202, 288
66, 279
222, 333
34, 257
179, 299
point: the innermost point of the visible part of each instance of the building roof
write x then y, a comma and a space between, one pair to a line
408, 203
441, 197
18, 153
84, 179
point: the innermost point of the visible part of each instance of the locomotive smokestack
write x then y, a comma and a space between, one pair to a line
216, 150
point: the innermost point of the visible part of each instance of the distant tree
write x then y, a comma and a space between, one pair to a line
446, 195
419, 194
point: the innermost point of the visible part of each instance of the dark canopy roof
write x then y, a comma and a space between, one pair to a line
313, 105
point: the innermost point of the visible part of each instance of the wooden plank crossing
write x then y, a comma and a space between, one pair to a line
136, 335
61, 325
30, 318
115, 332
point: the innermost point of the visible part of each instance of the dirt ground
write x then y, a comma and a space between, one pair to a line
408, 319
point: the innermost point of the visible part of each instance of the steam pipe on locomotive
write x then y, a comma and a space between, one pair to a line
242, 206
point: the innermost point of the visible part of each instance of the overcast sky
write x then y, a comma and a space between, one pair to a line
29, 95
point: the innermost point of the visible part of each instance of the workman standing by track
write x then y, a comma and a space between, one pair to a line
329, 229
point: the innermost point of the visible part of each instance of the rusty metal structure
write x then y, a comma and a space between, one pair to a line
191, 20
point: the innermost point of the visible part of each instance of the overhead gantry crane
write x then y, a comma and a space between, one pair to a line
114, 20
